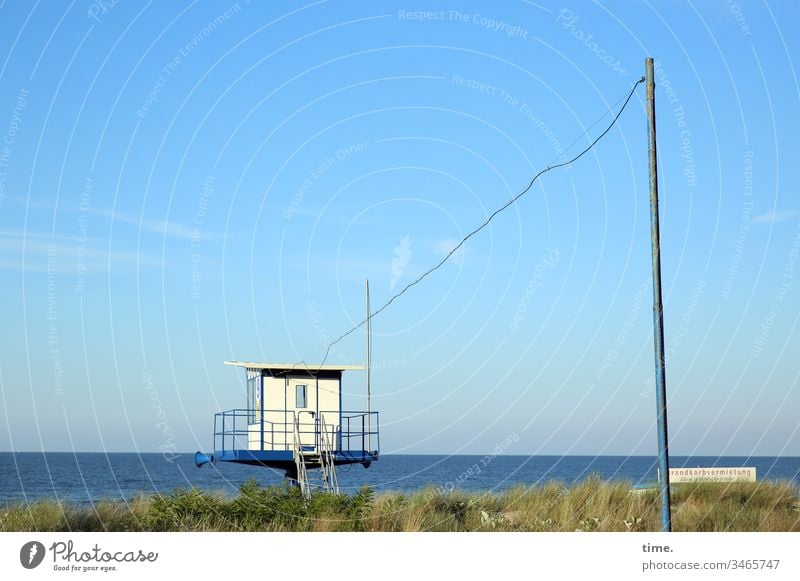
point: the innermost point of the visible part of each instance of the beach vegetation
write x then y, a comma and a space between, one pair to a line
587, 506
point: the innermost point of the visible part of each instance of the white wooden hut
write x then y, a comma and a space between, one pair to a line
294, 420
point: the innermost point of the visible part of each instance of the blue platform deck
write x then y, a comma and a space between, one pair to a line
271, 457
245, 437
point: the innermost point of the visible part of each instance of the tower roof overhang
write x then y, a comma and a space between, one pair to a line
299, 367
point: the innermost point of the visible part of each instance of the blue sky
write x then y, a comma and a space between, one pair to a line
185, 183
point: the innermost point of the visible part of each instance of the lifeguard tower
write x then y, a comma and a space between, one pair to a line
294, 421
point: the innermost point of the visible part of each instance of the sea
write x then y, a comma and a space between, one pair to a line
85, 478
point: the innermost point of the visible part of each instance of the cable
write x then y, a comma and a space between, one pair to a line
592, 126
483, 225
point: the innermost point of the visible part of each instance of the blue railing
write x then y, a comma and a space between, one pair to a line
361, 426
248, 429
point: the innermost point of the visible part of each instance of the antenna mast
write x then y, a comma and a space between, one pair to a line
369, 373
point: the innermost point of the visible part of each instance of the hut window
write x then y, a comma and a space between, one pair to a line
301, 400
253, 398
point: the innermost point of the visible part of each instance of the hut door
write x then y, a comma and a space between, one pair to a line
301, 398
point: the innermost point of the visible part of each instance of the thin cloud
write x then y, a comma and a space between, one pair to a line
32, 203
772, 217
164, 227
443, 248
174, 230
30, 251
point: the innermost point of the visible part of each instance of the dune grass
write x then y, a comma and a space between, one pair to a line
591, 505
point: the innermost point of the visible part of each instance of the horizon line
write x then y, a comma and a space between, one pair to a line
654, 455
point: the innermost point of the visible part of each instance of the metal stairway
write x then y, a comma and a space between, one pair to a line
330, 482
300, 462
322, 457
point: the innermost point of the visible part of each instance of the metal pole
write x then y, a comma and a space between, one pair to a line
261, 406
369, 372
658, 309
